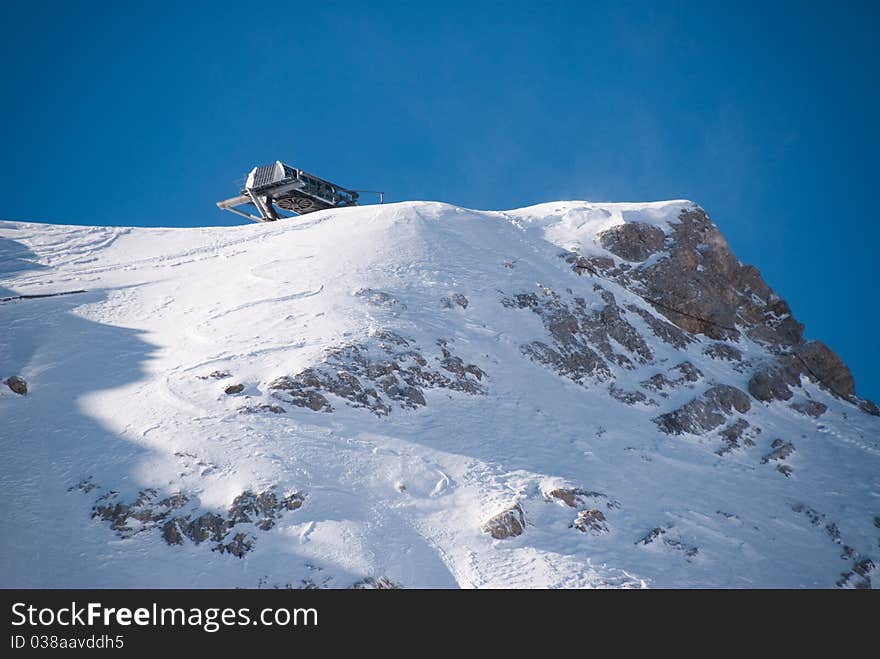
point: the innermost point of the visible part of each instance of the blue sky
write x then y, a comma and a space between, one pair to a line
765, 113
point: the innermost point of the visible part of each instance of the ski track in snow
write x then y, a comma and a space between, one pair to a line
121, 394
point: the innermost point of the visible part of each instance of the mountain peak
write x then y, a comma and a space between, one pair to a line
417, 394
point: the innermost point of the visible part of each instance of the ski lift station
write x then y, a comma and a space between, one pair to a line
272, 189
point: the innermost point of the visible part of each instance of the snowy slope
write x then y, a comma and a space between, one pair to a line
127, 464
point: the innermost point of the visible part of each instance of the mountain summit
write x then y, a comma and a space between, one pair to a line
420, 395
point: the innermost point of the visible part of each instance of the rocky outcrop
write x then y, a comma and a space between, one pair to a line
662, 536
584, 339
590, 521
814, 360
215, 375
781, 450
17, 384
723, 351
455, 298
180, 520
736, 434
696, 282
256, 409
823, 365
378, 375
233, 389
705, 413
506, 524
372, 583
379, 298
812, 408
633, 241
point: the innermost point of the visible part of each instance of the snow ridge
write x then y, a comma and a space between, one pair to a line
421, 395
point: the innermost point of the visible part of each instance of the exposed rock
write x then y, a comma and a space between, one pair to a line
697, 282
723, 351
590, 521
233, 389
824, 365
633, 241
240, 544
657, 382
256, 409
651, 536
811, 408
629, 397
689, 372
659, 533
866, 405
860, 575
379, 298
208, 526
371, 583
378, 375
171, 532
17, 384
568, 495
733, 433
576, 365
455, 298
215, 375
706, 412
506, 524
684, 373
147, 512
781, 450
785, 470
663, 330
580, 333
774, 381
261, 509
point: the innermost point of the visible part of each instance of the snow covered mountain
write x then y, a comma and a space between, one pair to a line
419, 395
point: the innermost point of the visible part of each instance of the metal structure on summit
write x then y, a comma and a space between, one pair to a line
272, 189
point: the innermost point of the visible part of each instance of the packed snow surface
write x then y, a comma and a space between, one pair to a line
122, 400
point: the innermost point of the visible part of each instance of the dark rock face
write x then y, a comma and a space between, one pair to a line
215, 375
781, 450
664, 331
233, 389
774, 381
723, 351
706, 412
661, 535
506, 524
583, 339
256, 409
146, 512
379, 298
455, 298
569, 496
590, 521
18, 385
262, 509
633, 241
698, 284
811, 408
733, 435
372, 583
387, 372
823, 364
813, 359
